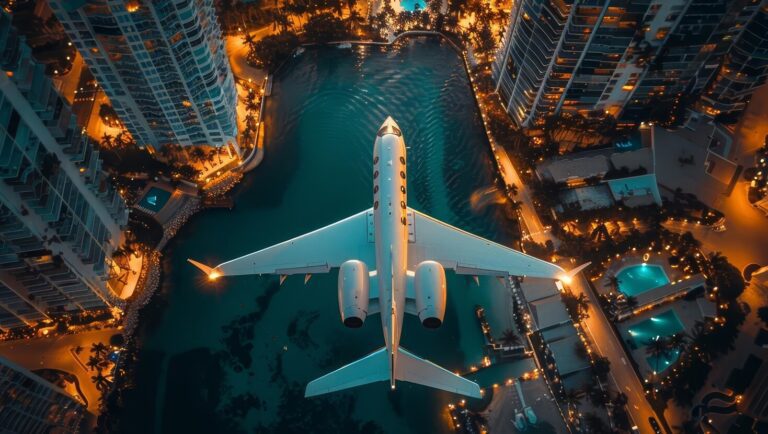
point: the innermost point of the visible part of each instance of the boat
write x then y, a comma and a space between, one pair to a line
299, 51
344, 45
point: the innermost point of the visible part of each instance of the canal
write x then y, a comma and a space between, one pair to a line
235, 356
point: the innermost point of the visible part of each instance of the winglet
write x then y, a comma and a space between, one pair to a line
210, 272
568, 277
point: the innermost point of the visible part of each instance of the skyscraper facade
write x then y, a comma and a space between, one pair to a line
60, 219
596, 57
30, 404
162, 64
745, 67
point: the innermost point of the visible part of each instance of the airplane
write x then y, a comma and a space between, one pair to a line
410, 252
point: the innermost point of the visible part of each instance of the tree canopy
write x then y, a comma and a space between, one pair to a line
271, 51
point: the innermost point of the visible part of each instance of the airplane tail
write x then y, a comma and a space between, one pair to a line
409, 367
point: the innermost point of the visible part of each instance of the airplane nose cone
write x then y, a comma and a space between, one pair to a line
389, 122
389, 127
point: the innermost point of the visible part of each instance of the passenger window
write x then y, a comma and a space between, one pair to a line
375, 174
375, 188
402, 159
376, 204
402, 174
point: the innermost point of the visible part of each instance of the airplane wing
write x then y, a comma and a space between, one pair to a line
466, 253
314, 252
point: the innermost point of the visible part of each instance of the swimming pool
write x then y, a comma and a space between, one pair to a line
637, 279
411, 5
155, 198
665, 325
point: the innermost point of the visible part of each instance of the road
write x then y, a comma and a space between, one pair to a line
608, 344
536, 230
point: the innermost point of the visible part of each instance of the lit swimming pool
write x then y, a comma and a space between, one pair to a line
155, 198
637, 279
412, 5
665, 325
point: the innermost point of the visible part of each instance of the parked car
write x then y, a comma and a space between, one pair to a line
655, 425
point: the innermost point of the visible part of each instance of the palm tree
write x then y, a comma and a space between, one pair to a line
354, 20
106, 140
513, 189
198, 154
678, 341
509, 338
573, 397
99, 349
631, 301
94, 363
614, 283
101, 382
657, 348
620, 400
582, 304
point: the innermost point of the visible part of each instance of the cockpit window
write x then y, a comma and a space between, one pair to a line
388, 129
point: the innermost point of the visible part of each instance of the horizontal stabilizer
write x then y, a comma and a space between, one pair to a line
414, 369
571, 274
202, 267
370, 369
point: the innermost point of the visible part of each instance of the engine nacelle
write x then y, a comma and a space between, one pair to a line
429, 282
354, 288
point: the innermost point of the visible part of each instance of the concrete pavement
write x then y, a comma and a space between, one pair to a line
54, 353
608, 344
536, 229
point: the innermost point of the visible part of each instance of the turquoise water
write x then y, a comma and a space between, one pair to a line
155, 199
665, 324
235, 357
410, 5
637, 279
664, 361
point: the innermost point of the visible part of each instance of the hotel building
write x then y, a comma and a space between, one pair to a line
162, 64
617, 57
60, 219
30, 404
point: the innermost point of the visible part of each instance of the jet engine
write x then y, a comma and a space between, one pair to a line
429, 281
354, 286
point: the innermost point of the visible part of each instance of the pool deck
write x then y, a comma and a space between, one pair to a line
688, 312
679, 282
178, 198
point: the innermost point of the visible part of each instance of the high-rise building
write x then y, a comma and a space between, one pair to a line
617, 57
162, 64
60, 219
745, 67
30, 404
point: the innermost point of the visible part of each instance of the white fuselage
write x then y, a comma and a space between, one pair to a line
391, 233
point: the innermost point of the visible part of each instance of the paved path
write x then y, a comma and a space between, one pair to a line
536, 229
608, 344
55, 353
